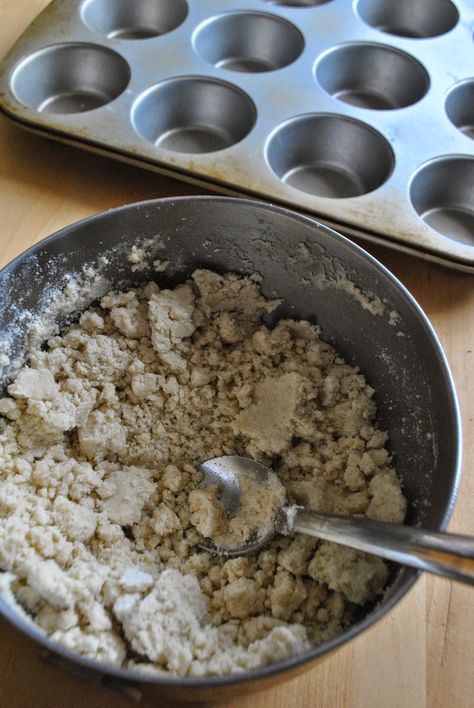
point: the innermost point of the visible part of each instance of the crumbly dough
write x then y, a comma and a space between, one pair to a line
100, 441
256, 517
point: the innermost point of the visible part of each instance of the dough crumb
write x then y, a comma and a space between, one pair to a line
358, 576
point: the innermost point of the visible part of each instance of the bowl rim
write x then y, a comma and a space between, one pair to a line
89, 668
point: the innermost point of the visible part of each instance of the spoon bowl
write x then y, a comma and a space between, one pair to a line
226, 473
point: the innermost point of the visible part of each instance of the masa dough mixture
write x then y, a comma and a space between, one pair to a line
100, 439
253, 522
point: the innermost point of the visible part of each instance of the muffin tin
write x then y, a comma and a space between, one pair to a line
359, 113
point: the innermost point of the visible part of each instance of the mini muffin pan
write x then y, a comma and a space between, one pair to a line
359, 113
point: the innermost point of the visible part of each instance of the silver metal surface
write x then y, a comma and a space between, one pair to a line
70, 78
402, 69
442, 192
140, 19
329, 155
321, 277
296, 3
347, 72
248, 41
193, 114
460, 107
409, 18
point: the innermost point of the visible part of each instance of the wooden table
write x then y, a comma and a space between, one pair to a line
422, 653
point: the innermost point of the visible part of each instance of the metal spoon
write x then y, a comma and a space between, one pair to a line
444, 554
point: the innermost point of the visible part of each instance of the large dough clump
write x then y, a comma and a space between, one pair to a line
269, 421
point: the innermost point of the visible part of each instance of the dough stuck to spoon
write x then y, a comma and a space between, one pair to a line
234, 514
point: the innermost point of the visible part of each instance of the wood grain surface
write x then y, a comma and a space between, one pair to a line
422, 653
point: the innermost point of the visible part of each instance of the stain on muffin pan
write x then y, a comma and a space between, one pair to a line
358, 113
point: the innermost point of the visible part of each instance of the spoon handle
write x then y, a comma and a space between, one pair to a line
440, 553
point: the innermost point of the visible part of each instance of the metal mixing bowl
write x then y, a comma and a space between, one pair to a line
362, 309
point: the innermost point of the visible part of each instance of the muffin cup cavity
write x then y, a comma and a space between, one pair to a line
297, 3
193, 114
329, 155
347, 73
248, 41
459, 107
70, 78
441, 193
133, 19
409, 18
